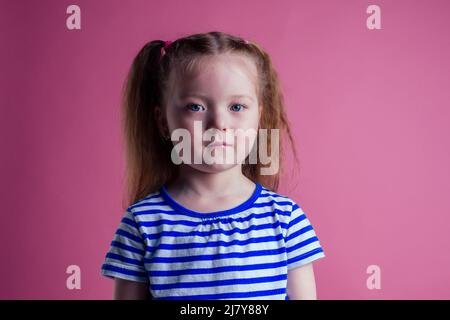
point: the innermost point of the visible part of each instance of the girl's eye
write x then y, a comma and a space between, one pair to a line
237, 109
195, 107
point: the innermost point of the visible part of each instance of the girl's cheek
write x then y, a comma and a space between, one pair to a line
245, 139
182, 123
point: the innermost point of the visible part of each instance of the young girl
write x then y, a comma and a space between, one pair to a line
197, 230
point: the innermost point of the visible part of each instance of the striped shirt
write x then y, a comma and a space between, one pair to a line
241, 253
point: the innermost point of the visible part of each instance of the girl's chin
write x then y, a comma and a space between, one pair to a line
213, 168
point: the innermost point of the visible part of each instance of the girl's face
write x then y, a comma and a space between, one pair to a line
218, 98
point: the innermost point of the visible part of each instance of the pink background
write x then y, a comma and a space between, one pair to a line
370, 114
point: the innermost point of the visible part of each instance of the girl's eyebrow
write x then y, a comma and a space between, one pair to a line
186, 95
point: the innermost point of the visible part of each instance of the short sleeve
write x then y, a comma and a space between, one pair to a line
302, 244
125, 257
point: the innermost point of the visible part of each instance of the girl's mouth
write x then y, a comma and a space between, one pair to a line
219, 145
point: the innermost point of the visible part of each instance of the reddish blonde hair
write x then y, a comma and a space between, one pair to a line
148, 161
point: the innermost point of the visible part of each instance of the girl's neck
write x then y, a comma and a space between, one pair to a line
210, 185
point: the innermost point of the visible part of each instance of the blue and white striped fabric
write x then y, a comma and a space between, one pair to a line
241, 253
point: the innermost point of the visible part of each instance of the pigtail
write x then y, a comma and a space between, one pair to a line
277, 113
273, 117
143, 143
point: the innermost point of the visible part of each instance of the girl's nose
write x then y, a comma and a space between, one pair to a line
218, 120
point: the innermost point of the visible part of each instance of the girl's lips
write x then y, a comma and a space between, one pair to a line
219, 144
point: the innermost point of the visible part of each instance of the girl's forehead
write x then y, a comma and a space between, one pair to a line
221, 62
226, 74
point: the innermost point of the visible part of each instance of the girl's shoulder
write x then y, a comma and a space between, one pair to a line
150, 200
278, 199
